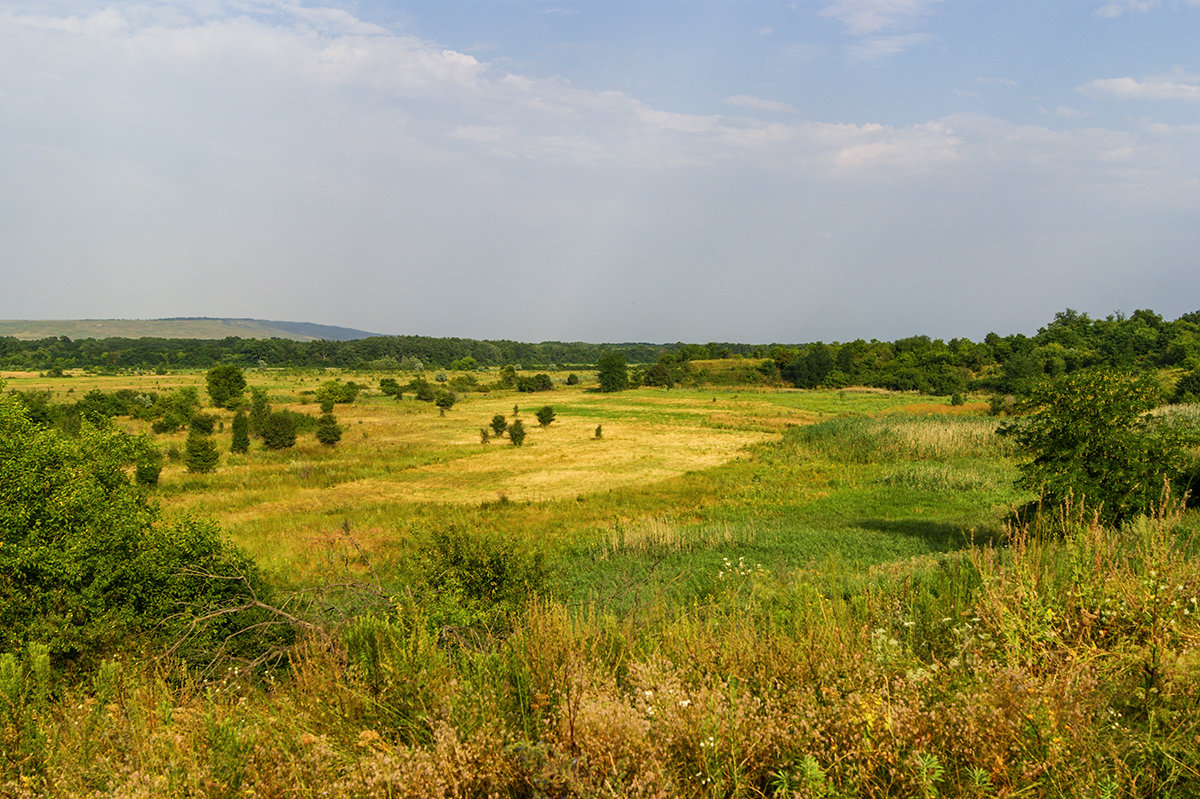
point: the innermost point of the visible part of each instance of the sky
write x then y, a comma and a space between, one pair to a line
605, 171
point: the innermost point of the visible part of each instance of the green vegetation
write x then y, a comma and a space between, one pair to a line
226, 384
329, 432
516, 432
240, 442
741, 590
612, 373
200, 454
87, 569
1094, 442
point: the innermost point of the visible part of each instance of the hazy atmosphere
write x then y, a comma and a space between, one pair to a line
602, 171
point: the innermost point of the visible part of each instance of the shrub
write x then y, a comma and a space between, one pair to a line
279, 430
148, 466
499, 424
329, 432
241, 432
202, 424
98, 570
545, 415
200, 453
1091, 436
516, 433
572, 379
1188, 388
538, 382
260, 409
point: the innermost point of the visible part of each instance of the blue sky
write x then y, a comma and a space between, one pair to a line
606, 171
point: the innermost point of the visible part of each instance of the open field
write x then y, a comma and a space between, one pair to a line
699, 457
731, 592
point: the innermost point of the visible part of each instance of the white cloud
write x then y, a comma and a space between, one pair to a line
875, 47
870, 17
1174, 86
1116, 9
759, 104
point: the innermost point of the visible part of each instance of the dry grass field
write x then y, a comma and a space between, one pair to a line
402, 460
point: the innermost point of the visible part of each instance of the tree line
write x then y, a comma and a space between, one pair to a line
1004, 365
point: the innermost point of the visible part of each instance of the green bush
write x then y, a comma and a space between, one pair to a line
329, 432
545, 415
279, 430
226, 384
516, 433
241, 433
86, 566
200, 453
1092, 439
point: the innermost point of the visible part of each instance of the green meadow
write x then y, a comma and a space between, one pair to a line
724, 591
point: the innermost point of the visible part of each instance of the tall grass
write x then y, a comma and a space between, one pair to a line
1049, 667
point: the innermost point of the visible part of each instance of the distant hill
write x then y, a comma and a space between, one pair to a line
178, 327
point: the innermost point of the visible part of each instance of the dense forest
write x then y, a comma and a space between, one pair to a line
999, 364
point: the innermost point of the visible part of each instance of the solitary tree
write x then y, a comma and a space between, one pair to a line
241, 432
329, 432
612, 372
225, 385
545, 415
1091, 436
516, 433
444, 400
499, 424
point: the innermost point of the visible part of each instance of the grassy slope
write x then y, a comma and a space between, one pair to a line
172, 328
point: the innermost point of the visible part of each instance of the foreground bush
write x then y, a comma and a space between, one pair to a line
87, 569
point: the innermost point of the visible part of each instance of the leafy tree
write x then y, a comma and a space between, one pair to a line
389, 387
86, 566
545, 415
508, 376
335, 391
572, 379
241, 432
329, 432
1091, 436
499, 424
516, 433
538, 382
279, 430
200, 453
226, 383
612, 372
444, 400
